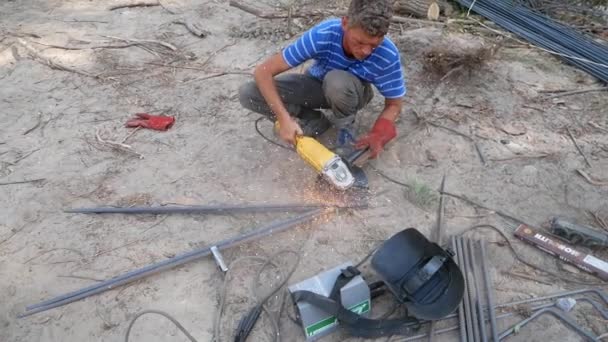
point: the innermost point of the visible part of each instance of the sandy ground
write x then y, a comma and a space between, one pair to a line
213, 155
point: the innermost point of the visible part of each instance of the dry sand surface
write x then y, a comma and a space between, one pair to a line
54, 123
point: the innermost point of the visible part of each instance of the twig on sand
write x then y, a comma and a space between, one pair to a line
590, 179
204, 63
223, 73
144, 41
575, 92
479, 205
527, 277
52, 250
598, 218
535, 156
130, 134
50, 63
78, 277
24, 181
35, 126
130, 4
194, 28
578, 147
593, 124
466, 136
117, 146
14, 162
15, 231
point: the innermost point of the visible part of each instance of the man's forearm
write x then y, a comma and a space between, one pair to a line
392, 109
265, 82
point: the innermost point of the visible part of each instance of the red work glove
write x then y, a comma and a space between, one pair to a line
383, 131
157, 122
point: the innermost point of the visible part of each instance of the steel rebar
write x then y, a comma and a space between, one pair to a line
478, 297
490, 292
463, 332
561, 315
210, 209
466, 299
569, 44
274, 227
469, 288
598, 292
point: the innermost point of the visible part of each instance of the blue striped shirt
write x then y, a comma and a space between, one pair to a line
323, 43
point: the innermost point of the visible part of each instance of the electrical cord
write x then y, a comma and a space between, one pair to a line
164, 314
257, 129
261, 300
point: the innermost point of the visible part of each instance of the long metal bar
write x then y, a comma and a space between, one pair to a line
209, 209
275, 227
461, 323
455, 327
573, 46
489, 291
439, 237
478, 297
468, 318
558, 314
598, 292
469, 288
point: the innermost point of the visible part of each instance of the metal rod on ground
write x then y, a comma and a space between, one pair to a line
208, 209
452, 328
438, 238
561, 315
469, 288
463, 331
489, 289
275, 227
600, 294
478, 292
467, 308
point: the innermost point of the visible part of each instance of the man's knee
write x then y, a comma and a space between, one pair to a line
344, 91
249, 95
339, 88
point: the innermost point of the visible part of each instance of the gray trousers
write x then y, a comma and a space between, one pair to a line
342, 92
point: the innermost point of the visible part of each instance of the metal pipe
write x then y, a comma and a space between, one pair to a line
275, 227
463, 332
490, 292
478, 296
210, 209
558, 314
467, 306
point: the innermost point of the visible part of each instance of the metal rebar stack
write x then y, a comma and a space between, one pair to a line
569, 44
477, 306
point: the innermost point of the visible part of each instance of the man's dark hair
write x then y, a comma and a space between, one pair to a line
373, 16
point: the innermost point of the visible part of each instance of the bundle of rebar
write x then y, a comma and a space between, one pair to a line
571, 45
478, 295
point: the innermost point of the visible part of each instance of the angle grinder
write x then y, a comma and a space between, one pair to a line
341, 172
